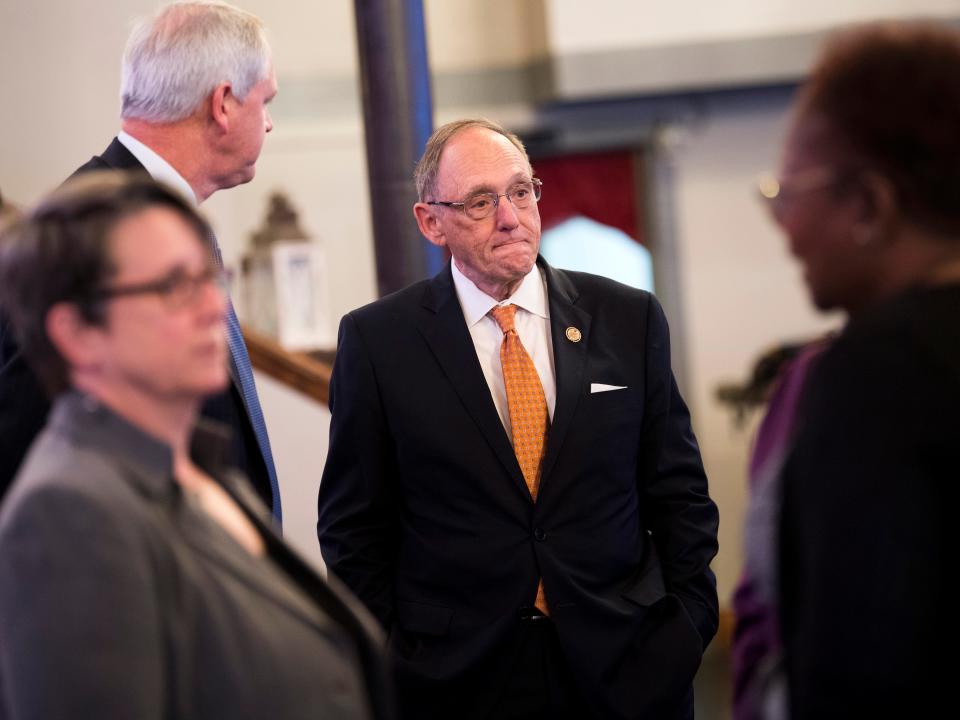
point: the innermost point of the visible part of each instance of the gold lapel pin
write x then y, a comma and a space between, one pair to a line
573, 334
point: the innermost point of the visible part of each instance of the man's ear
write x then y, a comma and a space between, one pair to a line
428, 221
221, 103
73, 337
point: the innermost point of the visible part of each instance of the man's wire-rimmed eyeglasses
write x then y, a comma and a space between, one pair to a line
482, 205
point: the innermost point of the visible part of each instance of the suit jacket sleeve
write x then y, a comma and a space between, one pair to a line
80, 635
358, 503
678, 511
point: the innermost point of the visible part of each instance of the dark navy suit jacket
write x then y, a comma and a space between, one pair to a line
424, 513
24, 404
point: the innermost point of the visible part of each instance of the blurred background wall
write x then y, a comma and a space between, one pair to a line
698, 90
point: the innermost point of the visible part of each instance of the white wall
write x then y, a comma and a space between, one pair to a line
59, 80
466, 34
576, 26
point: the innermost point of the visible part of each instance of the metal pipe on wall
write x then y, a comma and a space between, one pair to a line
398, 119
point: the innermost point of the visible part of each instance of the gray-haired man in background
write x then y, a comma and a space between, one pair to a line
197, 78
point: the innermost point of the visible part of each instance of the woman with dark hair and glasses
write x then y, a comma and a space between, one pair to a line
869, 198
139, 578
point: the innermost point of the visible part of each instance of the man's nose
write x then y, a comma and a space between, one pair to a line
506, 214
267, 120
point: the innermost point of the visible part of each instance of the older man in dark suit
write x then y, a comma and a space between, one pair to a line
197, 78
512, 485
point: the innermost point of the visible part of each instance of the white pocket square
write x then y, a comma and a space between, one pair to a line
600, 387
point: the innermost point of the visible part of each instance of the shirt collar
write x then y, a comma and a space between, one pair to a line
531, 295
158, 168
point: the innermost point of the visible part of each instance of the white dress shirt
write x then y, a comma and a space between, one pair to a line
532, 322
159, 169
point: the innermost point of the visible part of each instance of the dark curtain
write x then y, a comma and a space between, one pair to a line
598, 185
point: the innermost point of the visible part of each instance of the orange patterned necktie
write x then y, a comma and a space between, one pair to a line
529, 418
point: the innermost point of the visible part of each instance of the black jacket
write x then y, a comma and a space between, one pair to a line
425, 515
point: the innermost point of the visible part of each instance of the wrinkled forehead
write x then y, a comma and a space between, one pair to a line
478, 159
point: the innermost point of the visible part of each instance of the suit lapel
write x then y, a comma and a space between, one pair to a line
208, 540
569, 358
446, 333
327, 592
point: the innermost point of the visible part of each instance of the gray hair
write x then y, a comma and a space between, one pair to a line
425, 174
176, 58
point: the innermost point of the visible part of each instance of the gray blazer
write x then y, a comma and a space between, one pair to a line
120, 598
